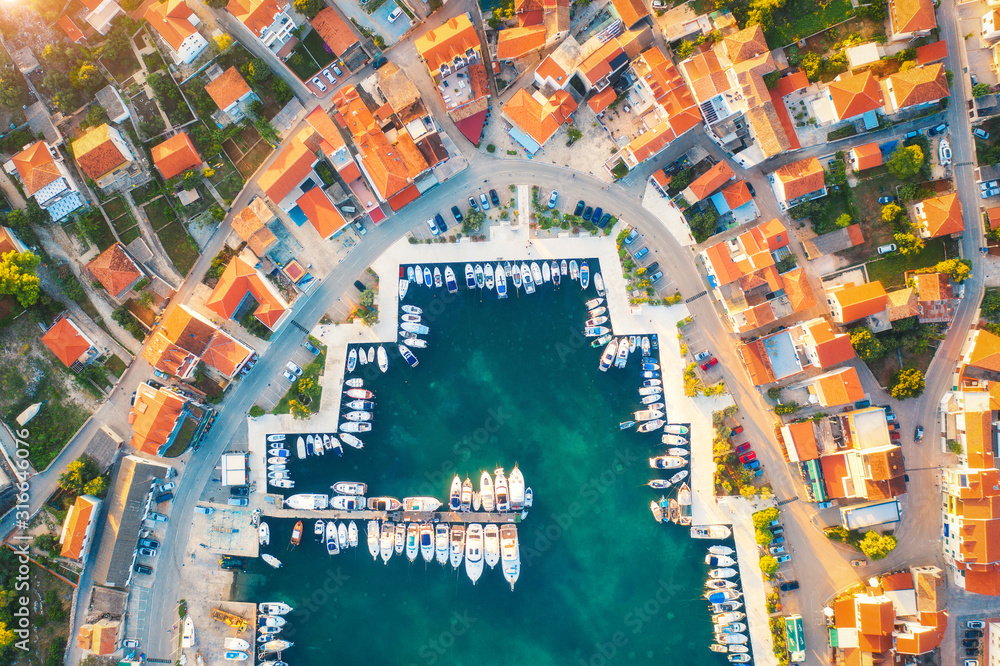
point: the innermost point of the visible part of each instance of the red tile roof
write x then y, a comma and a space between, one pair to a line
227, 88
943, 215
746, 44
249, 223
515, 43
929, 53
861, 301
36, 167
441, 45
800, 178
83, 511
602, 100
598, 64
66, 342
804, 440
755, 360
170, 20
912, 15
153, 417
537, 120
840, 388
71, 29
175, 155
289, 168
919, 85
97, 154
868, 156
855, 94
737, 194
115, 270
225, 354
630, 11
549, 68
652, 141
321, 212
334, 30
238, 280
708, 182
831, 347
257, 15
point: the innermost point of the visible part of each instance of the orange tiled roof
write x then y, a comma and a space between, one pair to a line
175, 155
979, 440
985, 352
66, 342
800, 294
756, 362
706, 75
981, 540
800, 178
249, 223
768, 130
171, 21
391, 166
228, 88
843, 614
932, 286
603, 99
441, 45
115, 270
861, 301
855, 94
321, 212
238, 280
153, 418
257, 15
943, 215
70, 28
737, 194
330, 138
922, 639
183, 339
97, 154
840, 388
598, 64
831, 347
770, 235
652, 141
289, 169
902, 304
75, 529
929, 53
549, 68
225, 354
804, 440
537, 120
919, 85
708, 182
334, 30
875, 615
902, 580
912, 15
630, 11
867, 156
36, 167
835, 470
518, 42
745, 44
993, 215
105, 637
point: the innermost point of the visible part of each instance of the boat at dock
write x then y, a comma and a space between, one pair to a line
441, 541
412, 309
501, 279
594, 331
263, 534
546, 272
536, 273
354, 382
384, 504
488, 275
408, 355
437, 278
650, 390
470, 277
455, 494
399, 538
595, 321
359, 393
414, 327
675, 429
622, 359
276, 646
738, 658
657, 510
574, 270
486, 495
236, 655
358, 416
372, 537
449, 280
727, 606
318, 529
412, 541
710, 532
529, 283
383, 358
501, 491
466, 496
414, 341
418, 274
718, 584
667, 462
491, 544
358, 405
647, 414
421, 504
404, 285
731, 638
556, 278
562, 267
457, 545
599, 285
351, 440
342, 535
480, 277
598, 311
650, 383
386, 540
718, 596
510, 553
584, 275
529, 498
332, 544
300, 448
608, 357
356, 426
362, 357
650, 399
674, 440
427, 542
725, 572
728, 618
593, 303
347, 503
650, 426
719, 561
296, 534
474, 552
515, 489
271, 560
515, 274
272, 608
307, 501
601, 341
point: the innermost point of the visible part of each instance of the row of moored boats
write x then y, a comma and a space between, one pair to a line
360, 355
270, 623
487, 276
724, 595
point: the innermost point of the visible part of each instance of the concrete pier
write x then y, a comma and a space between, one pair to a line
397, 516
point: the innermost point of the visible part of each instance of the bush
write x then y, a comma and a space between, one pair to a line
877, 546
787, 408
763, 519
907, 383
490, 148
256, 411
768, 566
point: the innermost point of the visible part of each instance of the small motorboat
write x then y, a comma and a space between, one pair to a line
944, 152
427, 276
385, 541
650, 383
710, 532
594, 331
651, 399
233, 643
384, 504
529, 498
622, 359
501, 279
404, 285
726, 618
413, 327
562, 267
719, 561
276, 460
412, 309
318, 529
732, 628
363, 356
667, 462
599, 285
486, 491
281, 483
277, 467
455, 494
556, 278
352, 535
718, 596
632, 344
491, 544
598, 311
449, 280
625, 425
488, 274
437, 278
500, 490
536, 273
356, 405
720, 550
399, 538
651, 390
359, 393
351, 440
412, 541
358, 416
584, 275
352, 359
574, 270
332, 545
271, 560
738, 658
718, 648
418, 272
415, 342
349, 488
650, 426
411, 318
276, 646
645, 345
601, 341
593, 303
342, 535
515, 274
356, 426
457, 546
608, 356
354, 382
470, 277
236, 655
657, 510
297, 534
263, 534
527, 279
727, 606
595, 321
726, 572
466, 497
480, 276
275, 438
427, 542
421, 504
347, 503
407, 355
441, 542
647, 414
372, 531
675, 429
546, 272
718, 584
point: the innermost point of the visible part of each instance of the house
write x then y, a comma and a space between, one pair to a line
915, 87
749, 252
176, 25
865, 156
10, 242
78, 528
866, 464
335, 31
112, 101
99, 637
801, 441
821, 345
70, 344
931, 53
454, 59
782, 355
630, 12
100, 13
175, 156
514, 43
939, 216
599, 69
854, 95
156, 418
231, 94
45, 178
540, 23
240, 282
321, 213
911, 18
852, 302
70, 29
762, 298
116, 271
990, 29
535, 118
269, 20
290, 174
250, 224
707, 183
840, 387
102, 153
798, 182
184, 339
936, 299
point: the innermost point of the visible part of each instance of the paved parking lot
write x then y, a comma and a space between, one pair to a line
378, 21
276, 390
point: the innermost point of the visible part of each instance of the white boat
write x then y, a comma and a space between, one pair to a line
427, 282
574, 270
727, 606
739, 648
342, 535
710, 532
419, 275
584, 276
652, 399
720, 550
362, 357
488, 274
652, 383
725, 572
276, 646
307, 501
188, 636
449, 280
358, 416
466, 496
437, 278
501, 279
475, 501
510, 554
556, 278
562, 267
514, 273
383, 359
480, 278
595, 321
595, 331
275, 438
731, 638
268, 633
349, 488
622, 360
384, 504
738, 658
719, 561
546, 272
318, 530
233, 643
491, 544
351, 440
278, 474
529, 498
399, 538
441, 541
412, 309
650, 426
675, 440
412, 541
732, 628
486, 491
675, 429
500, 491
529, 285
474, 552
300, 448
647, 414
332, 544
421, 503
385, 541
674, 451
718, 596
272, 560
457, 545
355, 426
720, 585
403, 286
427, 542
455, 494
650, 390
415, 342
347, 503
667, 462
609, 355
654, 506
632, 343
718, 648
352, 359
408, 356
944, 152
598, 311
371, 354
599, 284
272, 621
359, 393
372, 537
470, 277
726, 618
236, 655
645, 345
263, 534
515, 488
281, 483
413, 327
536, 273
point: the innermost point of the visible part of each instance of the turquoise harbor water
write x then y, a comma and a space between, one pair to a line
501, 382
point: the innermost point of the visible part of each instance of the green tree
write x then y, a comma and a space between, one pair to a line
573, 134
981, 90
86, 77
957, 269
811, 64
96, 487
907, 383
77, 475
843, 220
17, 276
991, 305
906, 162
768, 566
685, 49
308, 8
763, 519
866, 345
12, 87
877, 546
786, 408
891, 212
97, 115
836, 63
763, 537
908, 243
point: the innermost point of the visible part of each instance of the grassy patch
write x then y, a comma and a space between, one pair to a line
55, 423
230, 187
160, 213
800, 19
311, 372
122, 67
302, 63
317, 49
115, 365
114, 208
180, 444
180, 247
144, 193
129, 235
890, 269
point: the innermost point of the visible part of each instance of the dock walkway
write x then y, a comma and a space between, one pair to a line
396, 516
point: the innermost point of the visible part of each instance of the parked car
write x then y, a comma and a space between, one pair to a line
379, 62
598, 212
893, 434
238, 501
395, 14
743, 448
164, 497
158, 517
973, 633
990, 185
149, 543
887, 248
167, 487
859, 563
161, 375
484, 201
473, 204
433, 227
142, 569
360, 286
737, 430
319, 84
130, 643
439, 221
632, 235
289, 376
970, 643
553, 198
886, 200
937, 129
701, 356
655, 276
240, 491
580, 205
789, 586
337, 70
777, 550
752, 465
918, 434
747, 457
495, 198
330, 77
975, 624
294, 369
360, 227
862, 404
784, 558
911, 135
588, 213
652, 267
149, 552
643, 251
207, 510
777, 532
750, 187
982, 134
710, 363
456, 213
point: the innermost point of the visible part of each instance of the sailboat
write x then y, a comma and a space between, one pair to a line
449, 280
